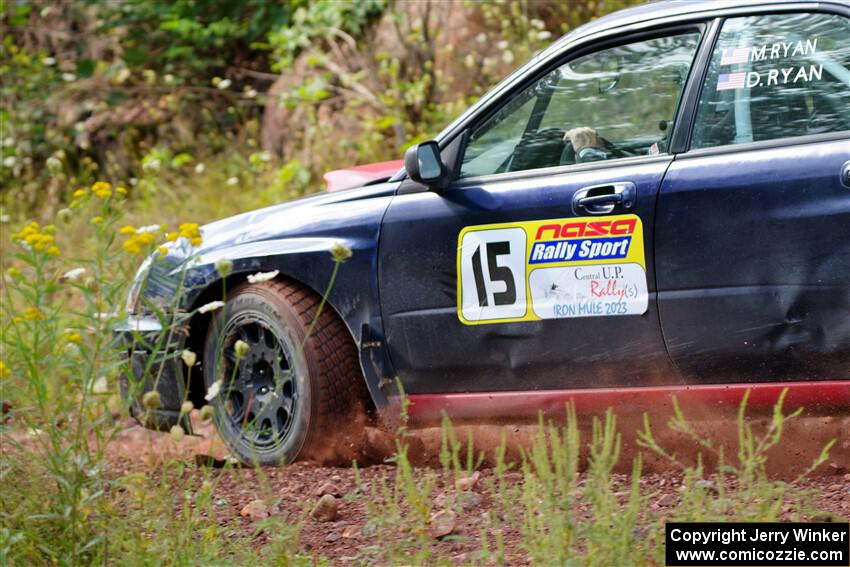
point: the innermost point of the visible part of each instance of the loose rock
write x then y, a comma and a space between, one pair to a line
325, 509
327, 488
468, 500
442, 524
351, 532
255, 510
467, 482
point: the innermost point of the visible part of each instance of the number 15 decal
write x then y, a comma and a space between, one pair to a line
492, 270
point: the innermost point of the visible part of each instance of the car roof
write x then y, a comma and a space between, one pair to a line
663, 9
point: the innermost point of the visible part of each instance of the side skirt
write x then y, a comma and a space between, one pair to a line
818, 398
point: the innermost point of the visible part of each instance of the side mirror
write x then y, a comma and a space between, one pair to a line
424, 165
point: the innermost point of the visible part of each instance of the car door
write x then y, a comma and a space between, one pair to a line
535, 269
753, 228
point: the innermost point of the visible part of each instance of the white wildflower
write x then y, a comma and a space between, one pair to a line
100, 386
68, 77
341, 252
149, 228
224, 84
213, 390
73, 275
152, 165
200, 168
241, 348
508, 57
189, 358
261, 277
224, 266
481, 38
232, 181
122, 75
211, 306
8, 142
503, 44
207, 413
544, 35
250, 93
10, 161
177, 433
48, 61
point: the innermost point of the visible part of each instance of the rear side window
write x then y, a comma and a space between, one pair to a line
776, 76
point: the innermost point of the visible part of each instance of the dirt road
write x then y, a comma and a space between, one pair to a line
349, 537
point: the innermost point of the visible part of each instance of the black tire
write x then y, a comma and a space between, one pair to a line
282, 402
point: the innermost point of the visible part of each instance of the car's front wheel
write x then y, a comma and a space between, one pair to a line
283, 394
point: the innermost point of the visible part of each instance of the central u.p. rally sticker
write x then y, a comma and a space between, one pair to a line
551, 269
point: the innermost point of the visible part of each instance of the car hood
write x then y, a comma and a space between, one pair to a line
302, 217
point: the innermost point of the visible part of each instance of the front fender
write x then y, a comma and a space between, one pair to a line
353, 295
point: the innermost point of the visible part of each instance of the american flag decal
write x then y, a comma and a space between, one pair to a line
729, 81
735, 55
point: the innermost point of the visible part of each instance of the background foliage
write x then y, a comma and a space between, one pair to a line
189, 98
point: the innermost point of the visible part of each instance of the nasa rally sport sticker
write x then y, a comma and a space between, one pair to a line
551, 269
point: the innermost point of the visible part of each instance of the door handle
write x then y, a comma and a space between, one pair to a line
603, 199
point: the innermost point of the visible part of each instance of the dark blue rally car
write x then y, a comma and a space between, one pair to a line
656, 205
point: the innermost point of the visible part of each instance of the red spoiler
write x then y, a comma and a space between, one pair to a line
361, 174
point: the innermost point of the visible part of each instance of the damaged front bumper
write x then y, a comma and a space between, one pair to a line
149, 363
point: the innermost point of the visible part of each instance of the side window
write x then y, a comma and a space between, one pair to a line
614, 103
776, 76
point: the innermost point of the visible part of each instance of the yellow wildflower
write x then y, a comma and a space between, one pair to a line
128, 229
138, 242
5, 372
17, 320
26, 232
49, 229
80, 193
32, 236
14, 273
163, 250
102, 189
33, 314
44, 242
196, 241
53, 251
72, 337
132, 247
121, 190
172, 236
97, 220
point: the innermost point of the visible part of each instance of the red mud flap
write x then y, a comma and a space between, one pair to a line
818, 398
